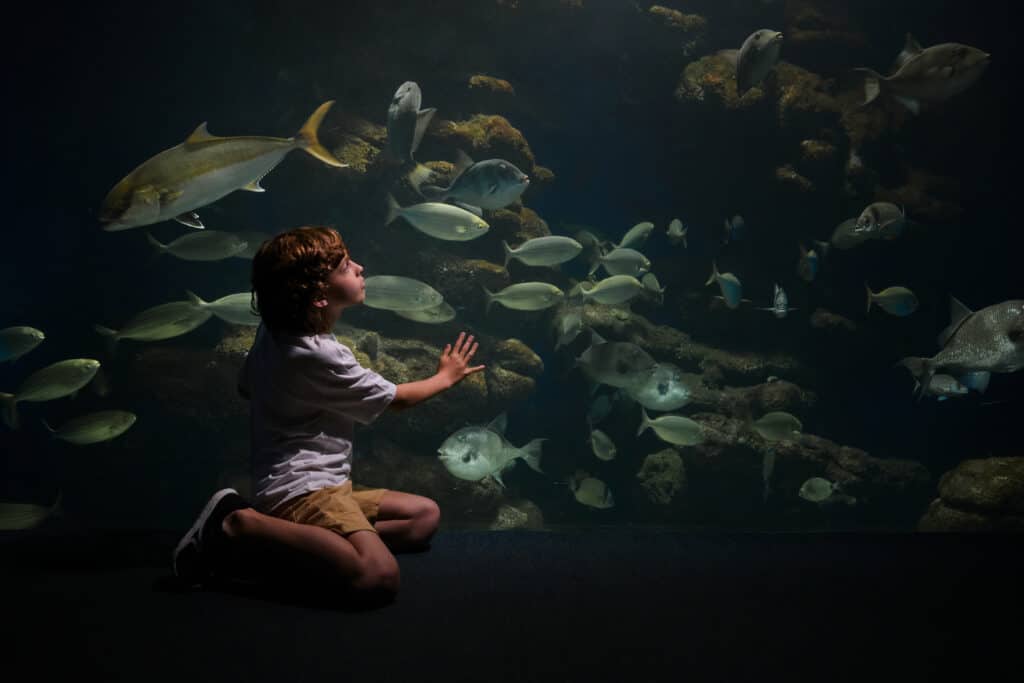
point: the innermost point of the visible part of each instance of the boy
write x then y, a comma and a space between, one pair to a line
307, 391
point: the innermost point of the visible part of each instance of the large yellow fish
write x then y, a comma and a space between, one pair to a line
200, 171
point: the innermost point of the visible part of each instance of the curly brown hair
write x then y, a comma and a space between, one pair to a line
289, 273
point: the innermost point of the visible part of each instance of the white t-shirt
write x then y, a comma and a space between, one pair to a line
306, 394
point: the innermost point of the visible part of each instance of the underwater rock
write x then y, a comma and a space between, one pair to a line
823, 319
490, 84
925, 197
359, 142
662, 476
668, 343
521, 514
196, 383
683, 33
515, 226
514, 355
822, 32
711, 82
803, 106
985, 494
485, 136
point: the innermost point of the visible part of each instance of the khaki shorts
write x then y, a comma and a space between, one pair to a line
337, 508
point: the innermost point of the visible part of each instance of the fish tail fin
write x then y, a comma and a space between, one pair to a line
871, 297
714, 274
531, 452
645, 421
195, 299
393, 210
50, 429
418, 176
923, 369
111, 336
160, 247
685, 230
508, 252
490, 299
872, 85
9, 410
308, 140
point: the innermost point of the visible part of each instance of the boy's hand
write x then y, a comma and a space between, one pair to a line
454, 364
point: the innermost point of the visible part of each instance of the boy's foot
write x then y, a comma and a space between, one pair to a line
191, 560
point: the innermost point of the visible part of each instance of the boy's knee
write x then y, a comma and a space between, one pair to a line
380, 576
430, 517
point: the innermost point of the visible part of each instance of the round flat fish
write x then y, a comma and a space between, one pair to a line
394, 292
662, 388
102, 425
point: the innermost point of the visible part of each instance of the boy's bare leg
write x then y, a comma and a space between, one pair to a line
284, 549
404, 535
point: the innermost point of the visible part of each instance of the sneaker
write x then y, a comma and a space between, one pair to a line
191, 561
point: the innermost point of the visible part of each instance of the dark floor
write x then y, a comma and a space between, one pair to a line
596, 604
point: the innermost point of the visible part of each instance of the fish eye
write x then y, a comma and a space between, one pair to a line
467, 457
757, 36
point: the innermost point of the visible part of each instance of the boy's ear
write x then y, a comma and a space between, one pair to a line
320, 303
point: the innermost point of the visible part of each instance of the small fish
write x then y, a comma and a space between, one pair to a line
778, 426
636, 236
817, 489
898, 301
988, 340
807, 268
602, 445
209, 245
568, 325
407, 122
617, 364
103, 425
622, 261
612, 290
476, 452
673, 429
729, 284
439, 220
432, 316
543, 251
780, 303
200, 171
233, 308
753, 61
927, 76
847, 236
158, 323
525, 296
734, 229
15, 342
489, 184
651, 284
676, 232
21, 516
976, 380
394, 292
662, 387
52, 382
881, 220
591, 492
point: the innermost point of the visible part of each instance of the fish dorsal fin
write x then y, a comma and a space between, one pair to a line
958, 313
200, 134
499, 424
911, 46
596, 339
462, 161
422, 121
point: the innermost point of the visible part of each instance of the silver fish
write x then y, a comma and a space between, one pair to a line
663, 387
200, 171
476, 452
103, 425
847, 236
208, 245
928, 76
525, 296
807, 268
394, 292
233, 308
54, 381
602, 445
489, 184
898, 301
676, 232
881, 220
407, 122
729, 284
432, 316
780, 303
159, 322
757, 56
15, 342
550, 250
439, 220
988, 340
622, 261
617, 364
591, 491
636, 235
20, 516
616, 289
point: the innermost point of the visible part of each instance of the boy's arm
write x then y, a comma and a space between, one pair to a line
452, 369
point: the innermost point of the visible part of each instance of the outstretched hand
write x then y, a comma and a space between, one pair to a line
454, 364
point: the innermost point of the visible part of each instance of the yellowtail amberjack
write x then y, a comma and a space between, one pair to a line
200, 171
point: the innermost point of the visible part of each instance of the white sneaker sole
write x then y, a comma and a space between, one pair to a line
198, 525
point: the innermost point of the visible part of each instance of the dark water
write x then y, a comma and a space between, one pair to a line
97, 89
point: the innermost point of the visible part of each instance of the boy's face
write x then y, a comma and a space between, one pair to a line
345, 286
